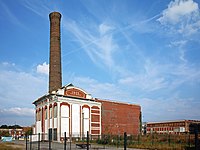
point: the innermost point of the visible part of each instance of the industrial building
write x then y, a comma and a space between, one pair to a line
72, 110
170, 127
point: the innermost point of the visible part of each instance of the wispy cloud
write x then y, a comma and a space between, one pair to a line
150, 79
11, 15
97, 44
104, 28
180, 45
19, 88
161, 76
102, 90
17, 111
171, 108
38, 7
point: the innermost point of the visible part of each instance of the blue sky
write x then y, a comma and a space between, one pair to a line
140, 52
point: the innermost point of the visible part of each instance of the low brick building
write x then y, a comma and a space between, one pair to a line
170, 127
16, 132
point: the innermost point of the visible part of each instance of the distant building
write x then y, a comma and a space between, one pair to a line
74, 111
15, 133
170, 127
18, 132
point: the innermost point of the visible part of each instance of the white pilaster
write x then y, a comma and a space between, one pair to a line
58, 122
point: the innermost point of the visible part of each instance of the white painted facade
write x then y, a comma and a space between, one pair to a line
67, 110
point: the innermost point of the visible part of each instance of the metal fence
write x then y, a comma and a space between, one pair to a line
157, 141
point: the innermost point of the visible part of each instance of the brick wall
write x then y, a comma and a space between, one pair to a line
118, 118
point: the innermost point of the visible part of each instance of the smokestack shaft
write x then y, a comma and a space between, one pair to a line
55, 73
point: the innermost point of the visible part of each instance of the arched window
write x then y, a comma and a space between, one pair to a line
39, 114
45, 109
55, 111
50, 111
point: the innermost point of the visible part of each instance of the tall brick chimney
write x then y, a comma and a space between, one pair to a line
55, 73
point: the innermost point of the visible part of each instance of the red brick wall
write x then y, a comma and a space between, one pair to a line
118, 118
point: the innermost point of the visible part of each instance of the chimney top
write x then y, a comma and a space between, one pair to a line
54, 14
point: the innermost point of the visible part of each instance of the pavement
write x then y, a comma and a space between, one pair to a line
60, 146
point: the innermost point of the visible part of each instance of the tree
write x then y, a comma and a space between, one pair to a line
4, 127
29, 132
4, 133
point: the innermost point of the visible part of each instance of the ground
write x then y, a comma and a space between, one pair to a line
21, 145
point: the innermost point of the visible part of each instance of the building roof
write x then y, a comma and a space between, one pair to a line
62, 92
117, 102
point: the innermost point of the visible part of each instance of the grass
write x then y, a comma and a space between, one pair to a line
158, 146
10, 146
151, 142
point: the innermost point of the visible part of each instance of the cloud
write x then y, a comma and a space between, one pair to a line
180, 45
182, 16
156, 76
104, 28
7, 64
98, 45
145, 83
170, 108
177, 10
150, 79
19, 88
102, 90
11, 15
17, 111
44, 68
38, 7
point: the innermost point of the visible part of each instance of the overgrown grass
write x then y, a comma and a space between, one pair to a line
151, 142
158, 146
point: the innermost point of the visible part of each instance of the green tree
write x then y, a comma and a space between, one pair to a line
29, 132
4, 127
4, 133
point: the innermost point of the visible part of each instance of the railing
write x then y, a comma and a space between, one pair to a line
108, 141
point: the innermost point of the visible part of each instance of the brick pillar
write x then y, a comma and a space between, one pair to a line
55, 74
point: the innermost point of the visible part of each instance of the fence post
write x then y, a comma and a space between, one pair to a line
196, 137
65, 141
87, 140
169, 140
26, 142
38, 141
104, 141
189, 140
30, 141
125, 140
50, 136
152, 137
118, 140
